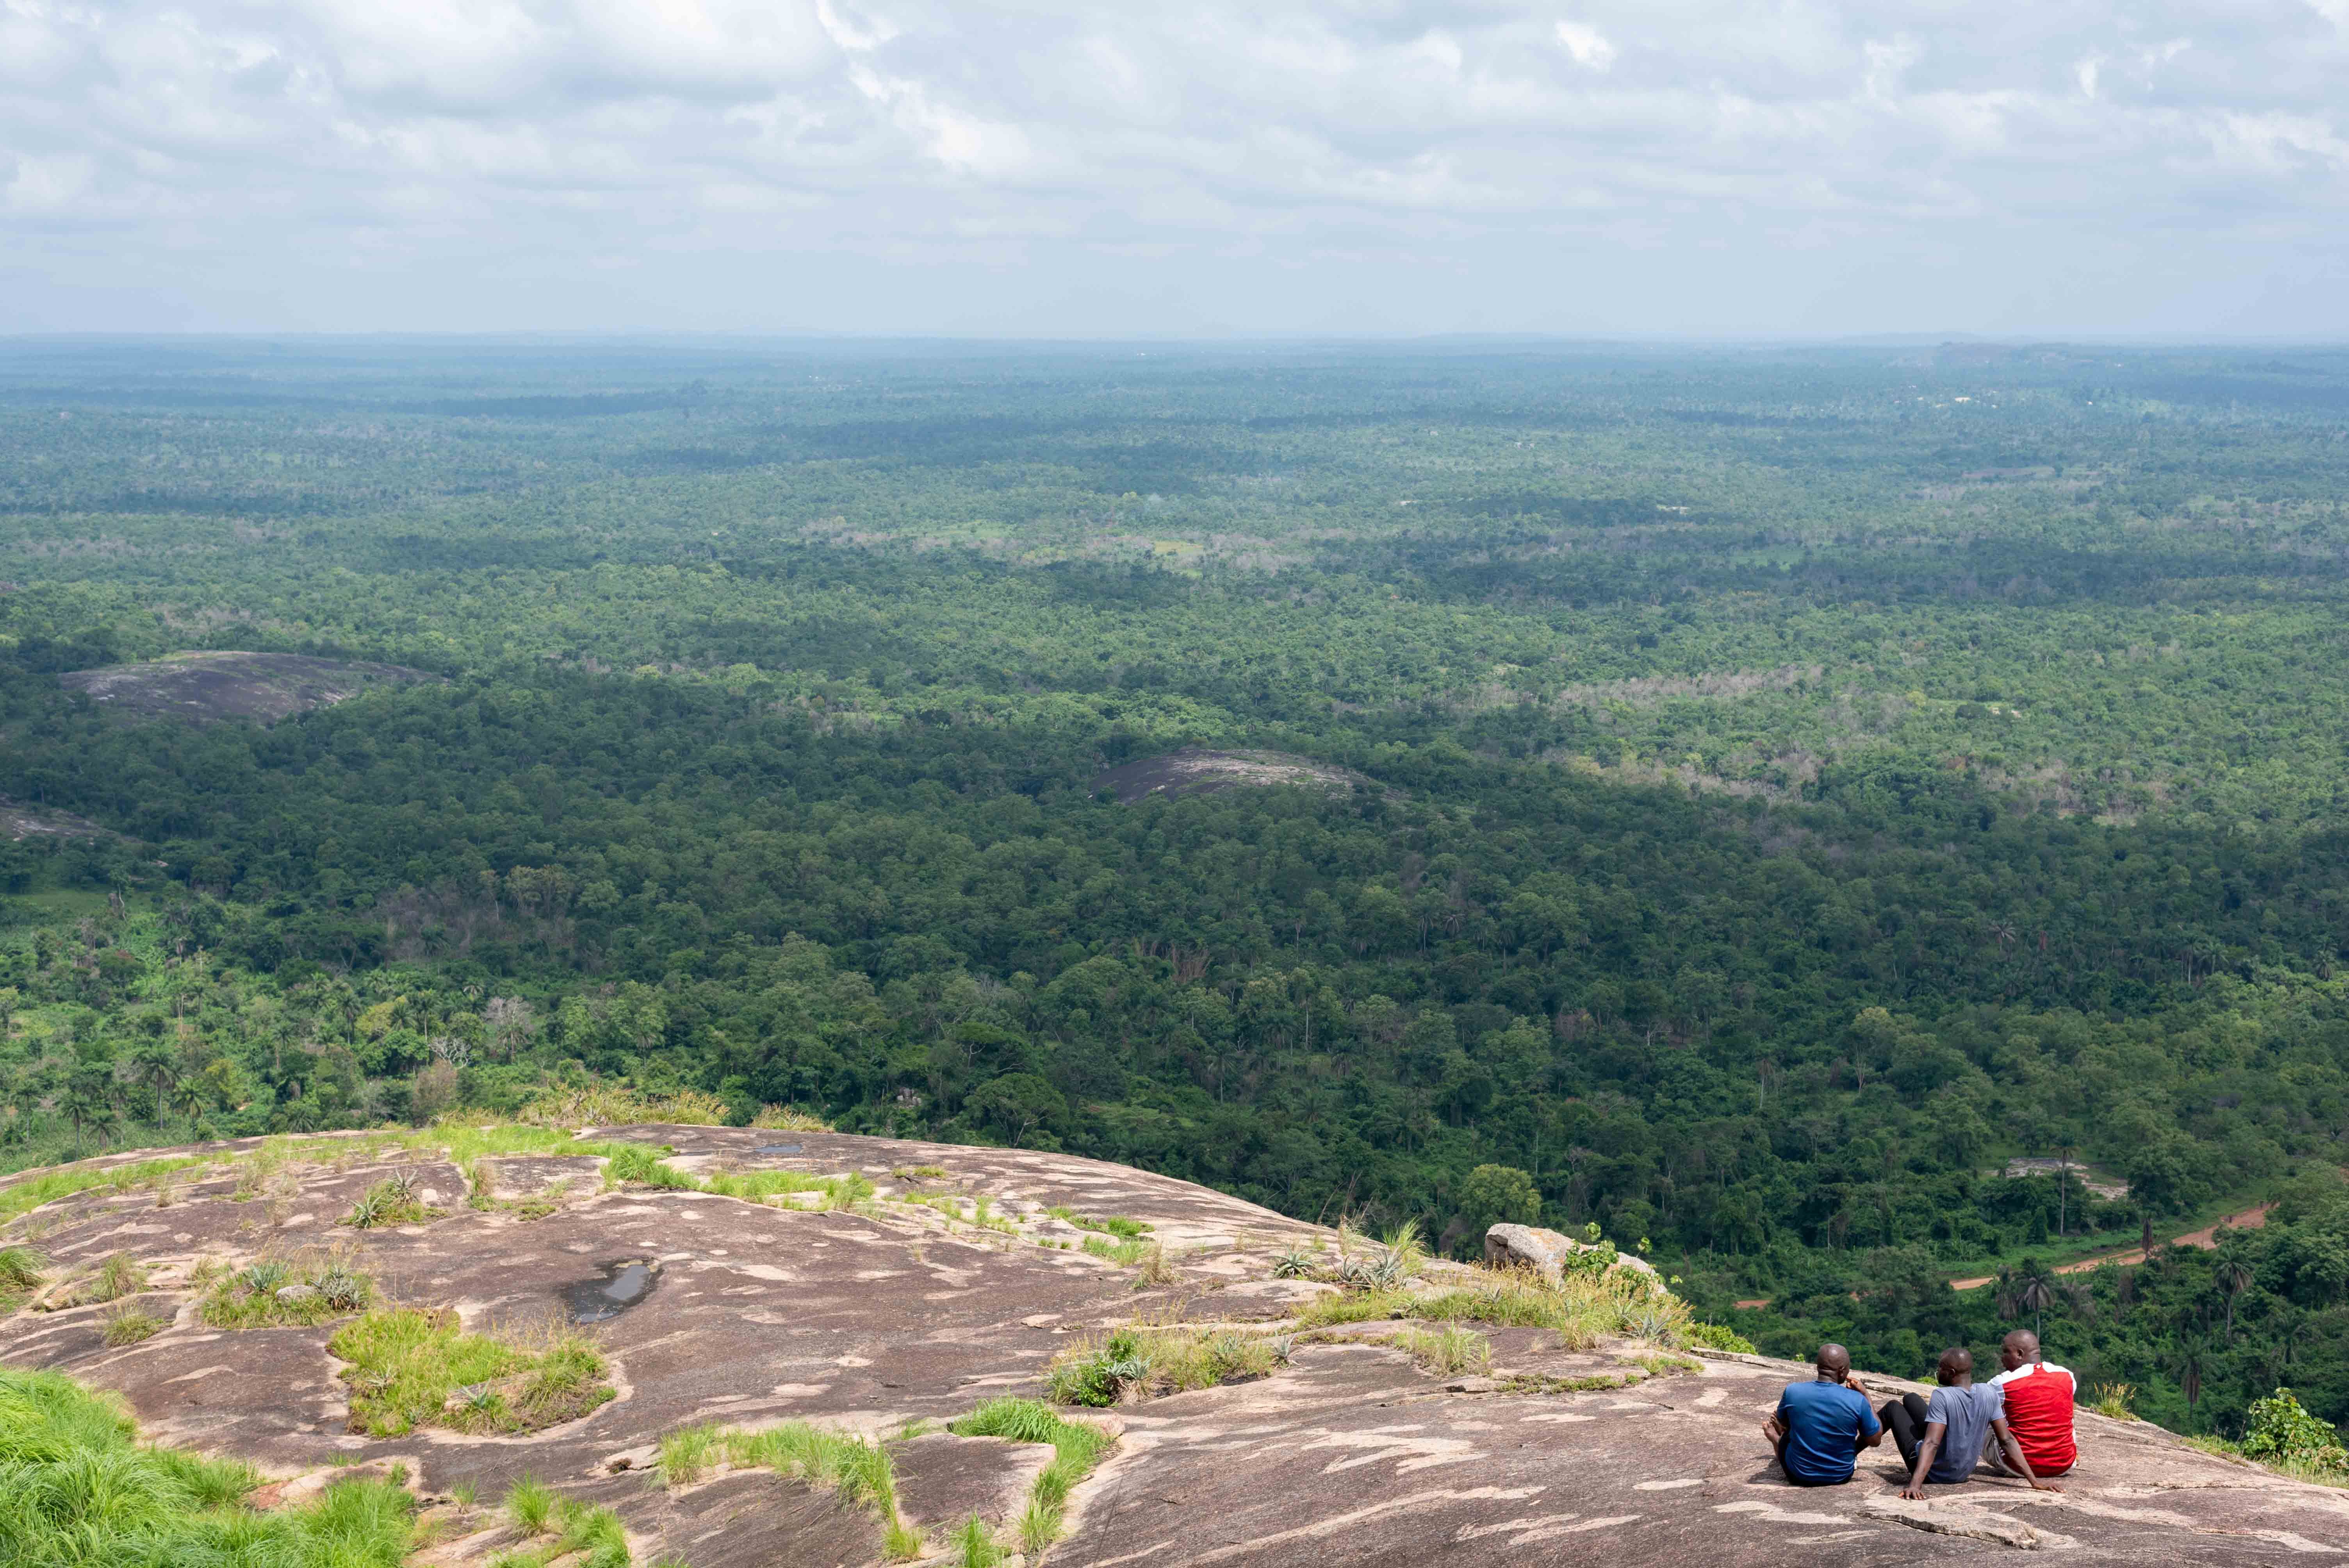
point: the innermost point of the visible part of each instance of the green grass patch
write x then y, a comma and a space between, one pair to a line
858, 1472
1143, 1362
412, 1367
1077, 1448
1354, 1307
763, 1186
1108, 1225
583, 1534
131, 1324
1591, 1383
973, 1545
1581, 1309
1714, 1337
1124, 1254
1446, 1351
21, 1269
278, 1293
120, 1276
23, 1197
396, 1200
82, 1490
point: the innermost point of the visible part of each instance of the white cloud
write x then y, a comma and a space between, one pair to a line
1587, 43
927, 165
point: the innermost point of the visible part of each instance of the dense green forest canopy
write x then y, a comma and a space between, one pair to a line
1802, 783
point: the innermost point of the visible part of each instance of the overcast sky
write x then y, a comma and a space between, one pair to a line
1618, 167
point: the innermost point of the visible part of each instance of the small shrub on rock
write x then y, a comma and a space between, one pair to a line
1138, 1363
274, 1292
394, 1201
2280, 1431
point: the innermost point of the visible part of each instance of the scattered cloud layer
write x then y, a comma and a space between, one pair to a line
1056, 165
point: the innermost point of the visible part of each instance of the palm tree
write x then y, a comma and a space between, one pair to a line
189, 1096
2080, 1301
2234, 1277
2188, 1362
2006, 1292
2037, 1293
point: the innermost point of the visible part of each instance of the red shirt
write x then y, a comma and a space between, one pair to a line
2039, 1411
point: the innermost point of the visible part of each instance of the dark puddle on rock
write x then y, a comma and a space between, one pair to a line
778, 1148
624, 1284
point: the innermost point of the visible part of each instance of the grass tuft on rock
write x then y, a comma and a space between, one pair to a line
975, 1546
577, 1534
530, 1506
130, 1323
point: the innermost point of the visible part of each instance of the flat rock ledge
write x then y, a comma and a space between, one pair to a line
868, 1319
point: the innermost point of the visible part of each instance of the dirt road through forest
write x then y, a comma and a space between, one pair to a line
2249, 1218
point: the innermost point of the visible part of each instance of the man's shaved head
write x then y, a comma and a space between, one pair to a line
1957, 1361
1833, 1360
2019, 1349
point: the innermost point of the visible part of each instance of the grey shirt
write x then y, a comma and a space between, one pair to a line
1965, 1415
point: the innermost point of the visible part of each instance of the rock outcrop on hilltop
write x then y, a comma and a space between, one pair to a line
903, 1284
206, 685
1196, 771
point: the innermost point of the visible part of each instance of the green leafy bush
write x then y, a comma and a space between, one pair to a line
1714, 1337
2278, 1429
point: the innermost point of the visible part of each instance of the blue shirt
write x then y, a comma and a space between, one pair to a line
1824, 1422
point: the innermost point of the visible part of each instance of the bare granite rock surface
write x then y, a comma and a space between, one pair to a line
917, 1303
203, 684
1547, 1253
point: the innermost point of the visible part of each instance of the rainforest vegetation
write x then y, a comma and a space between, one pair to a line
1795, 785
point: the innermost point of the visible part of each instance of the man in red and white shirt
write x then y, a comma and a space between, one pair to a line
2039, 1395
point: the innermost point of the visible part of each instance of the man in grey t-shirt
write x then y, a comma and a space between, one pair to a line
1941, 1439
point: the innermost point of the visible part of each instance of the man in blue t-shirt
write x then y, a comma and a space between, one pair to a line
1822, 1425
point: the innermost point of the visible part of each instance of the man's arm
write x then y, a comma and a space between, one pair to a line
2013, 1448
1925, 1452
1864, 1440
